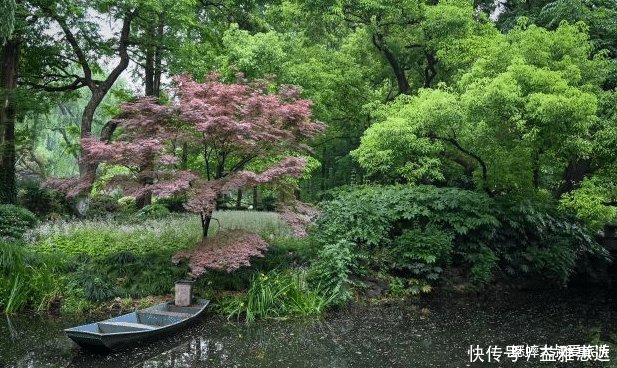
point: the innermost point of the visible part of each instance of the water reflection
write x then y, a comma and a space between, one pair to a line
434, 334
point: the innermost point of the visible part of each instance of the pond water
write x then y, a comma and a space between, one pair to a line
435, 332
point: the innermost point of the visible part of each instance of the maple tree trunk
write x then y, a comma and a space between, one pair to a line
146, 198
143, 200
256, 198
9, 60
206, 218
239, 199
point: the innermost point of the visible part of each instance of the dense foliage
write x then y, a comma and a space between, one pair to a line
418, 233
14, 221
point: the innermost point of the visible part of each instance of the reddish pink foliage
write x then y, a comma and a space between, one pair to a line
72, 186
299, 216
245, 116
233, 124
224, 252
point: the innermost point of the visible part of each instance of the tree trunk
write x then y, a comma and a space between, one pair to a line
256, 198
239, 199
9, 60
206, 218
574, 173
143, 200
429, 72
87, 171
149, 63
158, 63
397, 68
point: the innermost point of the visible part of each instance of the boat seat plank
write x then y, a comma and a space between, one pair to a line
130, 324
167, 313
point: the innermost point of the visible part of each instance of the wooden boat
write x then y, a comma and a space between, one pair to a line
147, 324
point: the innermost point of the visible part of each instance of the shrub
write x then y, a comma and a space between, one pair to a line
173, 203
410, 231
414, 232
423, 252
14, 221
127, 205
42, 202
536, 240
332, 268
102, 205
140, 275
286, 252
153, 211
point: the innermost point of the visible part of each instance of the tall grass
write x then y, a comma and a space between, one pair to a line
176, 232
104, 237
25, 279
267, 224
93, 260
275, 295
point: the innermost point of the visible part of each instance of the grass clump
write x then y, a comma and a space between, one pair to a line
27, 280
276, 294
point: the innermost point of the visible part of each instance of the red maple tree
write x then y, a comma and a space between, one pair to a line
233, 126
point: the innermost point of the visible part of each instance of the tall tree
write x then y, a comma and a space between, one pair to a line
527, 106
9, 70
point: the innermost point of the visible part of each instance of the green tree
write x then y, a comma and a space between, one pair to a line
524, 109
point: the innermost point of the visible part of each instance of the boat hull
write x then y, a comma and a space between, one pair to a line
141, 326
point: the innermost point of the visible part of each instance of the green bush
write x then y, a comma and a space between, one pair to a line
15, 221
408, 231
42, 202
423, 252
536, 240
332, 268
153, 211
174, 203
140, 275
102, 205
127, 205
415, 232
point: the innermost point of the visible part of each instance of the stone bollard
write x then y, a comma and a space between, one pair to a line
184, 293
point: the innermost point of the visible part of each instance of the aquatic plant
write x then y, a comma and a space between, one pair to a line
276, 294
